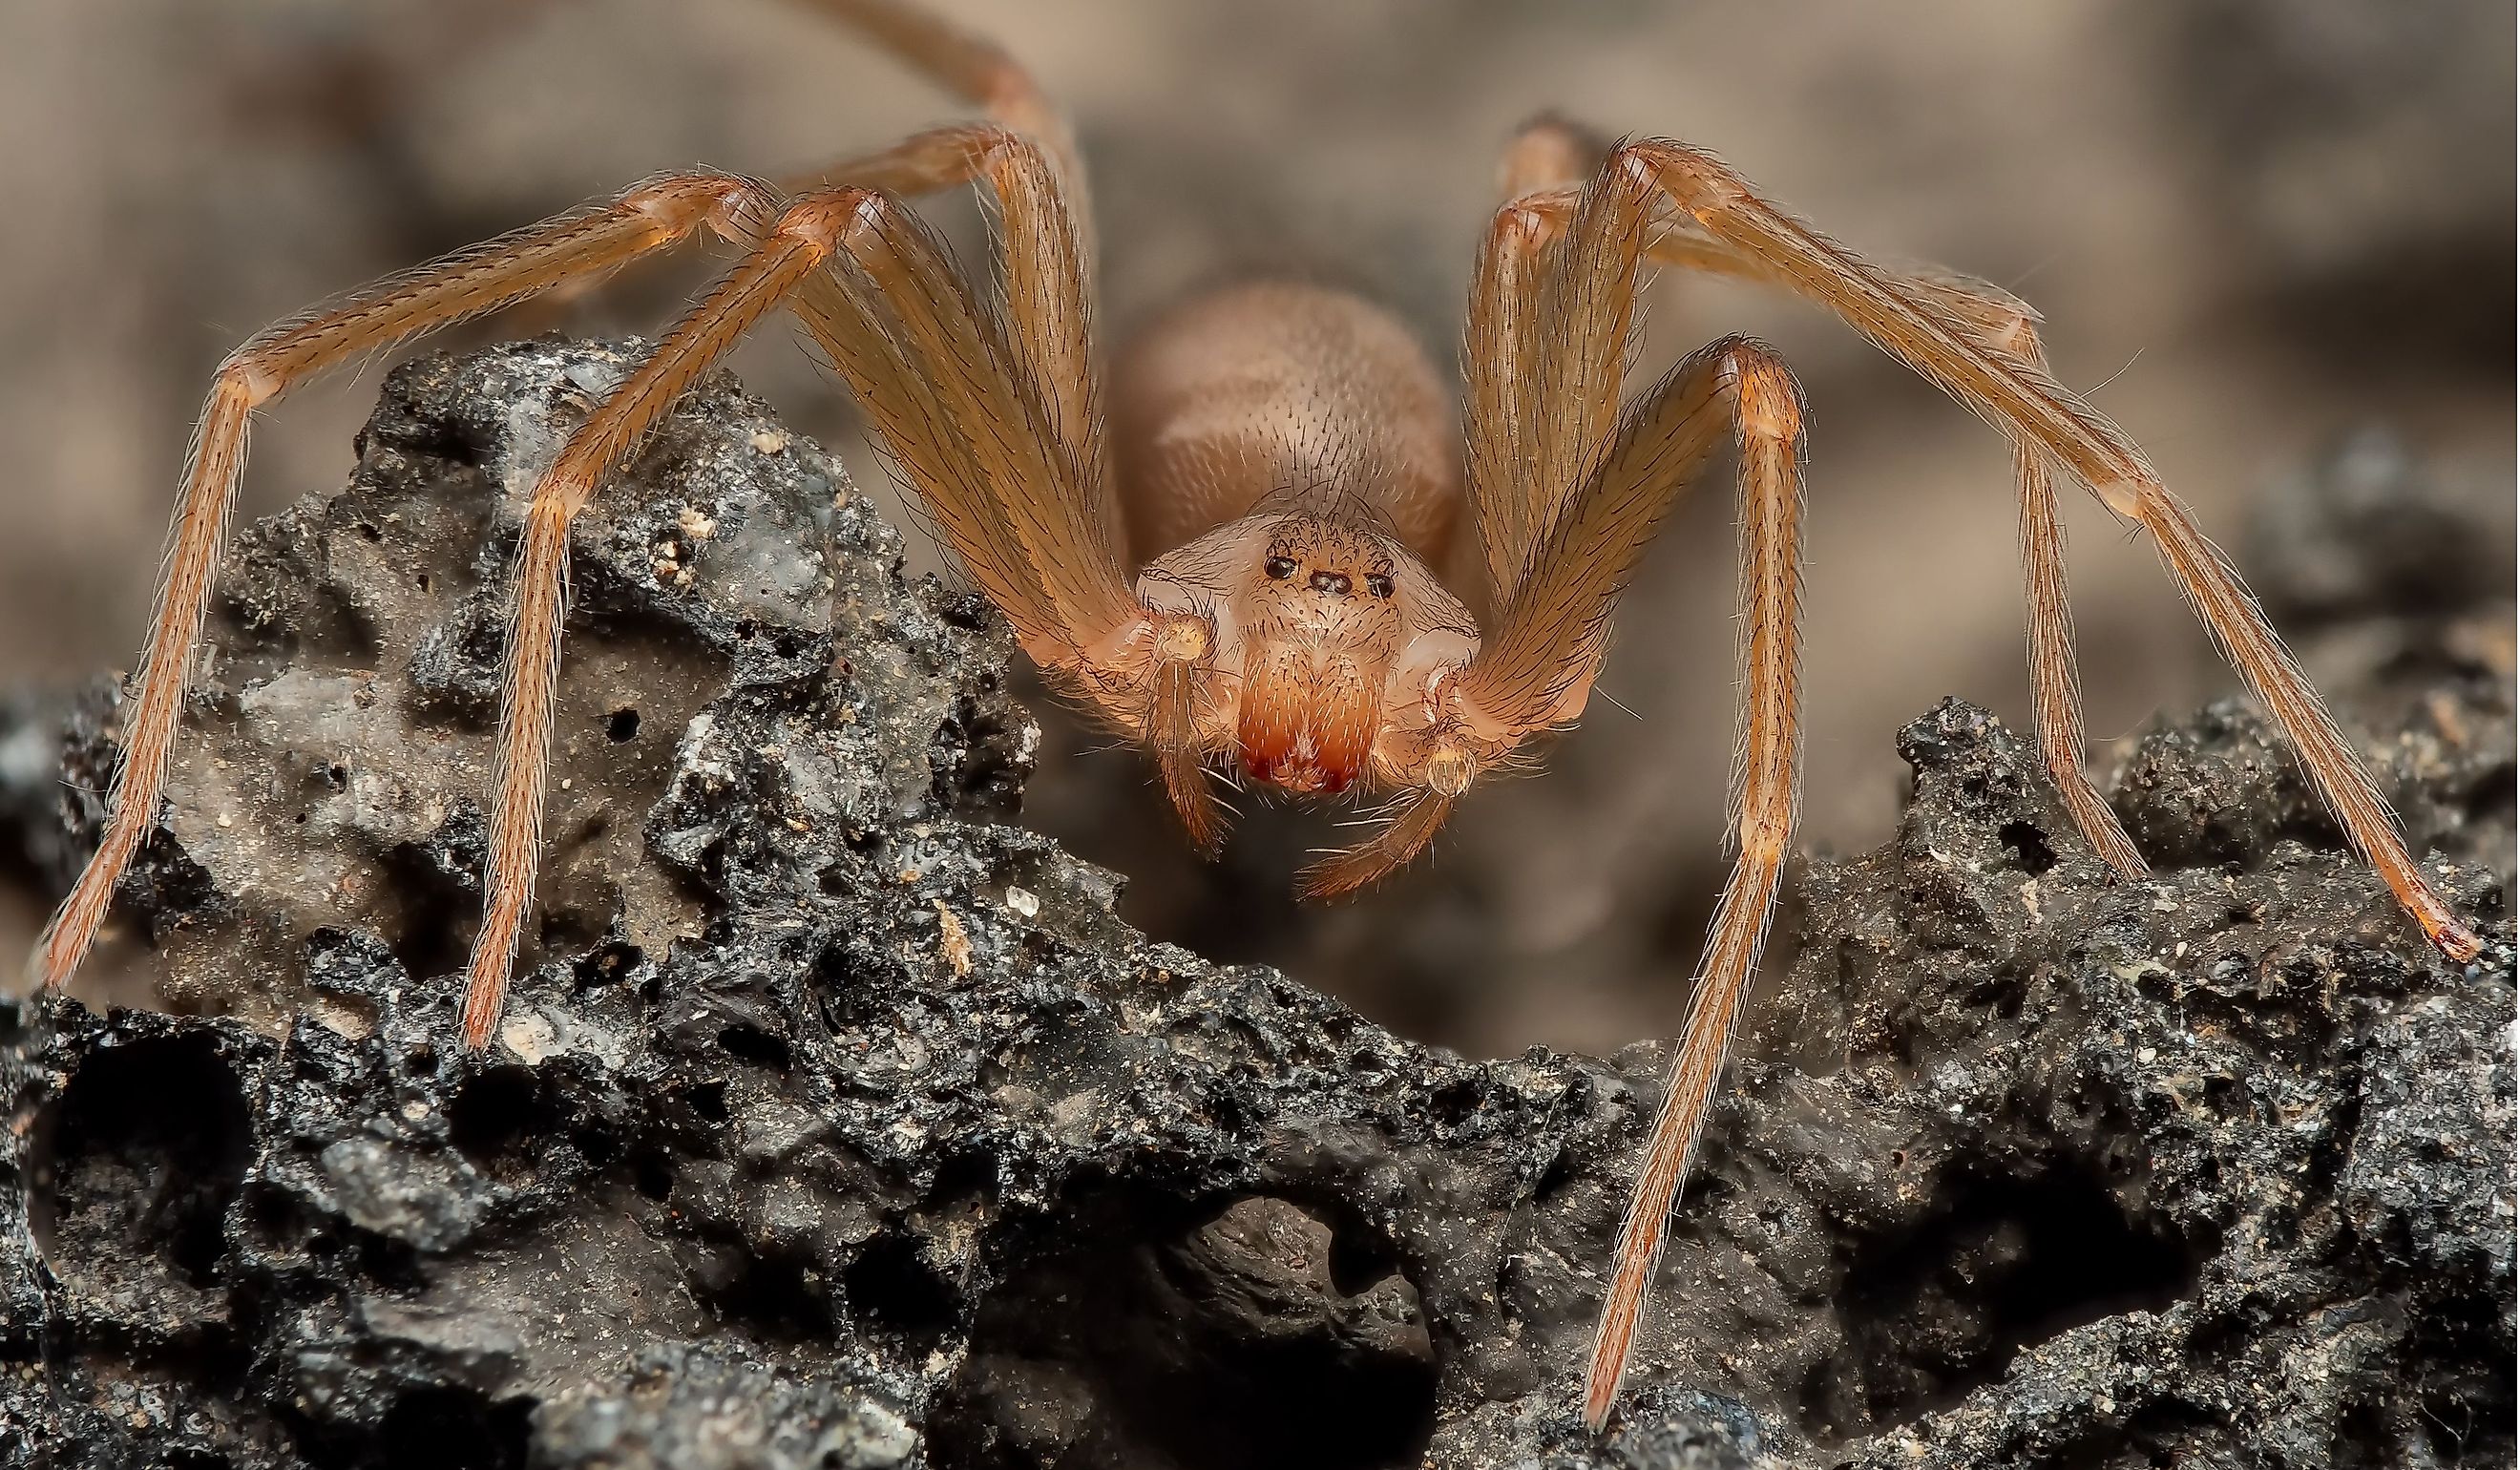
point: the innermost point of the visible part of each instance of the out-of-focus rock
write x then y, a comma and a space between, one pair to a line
2393, 580
2364, 532
838, 1123
2337, 147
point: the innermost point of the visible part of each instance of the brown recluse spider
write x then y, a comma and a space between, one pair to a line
1278, 466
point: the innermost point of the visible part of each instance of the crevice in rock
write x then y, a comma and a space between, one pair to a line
504, 1120
1196, 1338
2007, 1262
432, 1428
893, 1288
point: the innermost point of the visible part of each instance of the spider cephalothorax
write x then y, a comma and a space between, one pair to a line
1328, 646
1327, 634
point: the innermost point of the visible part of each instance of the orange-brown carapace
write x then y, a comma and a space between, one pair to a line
1288, 467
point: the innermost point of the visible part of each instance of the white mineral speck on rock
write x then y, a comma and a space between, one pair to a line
344, 1021
590, 376
528, 1035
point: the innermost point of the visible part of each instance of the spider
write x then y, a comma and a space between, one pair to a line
1331, 586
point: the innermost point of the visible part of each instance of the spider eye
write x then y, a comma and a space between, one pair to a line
1378, 584
1279, 568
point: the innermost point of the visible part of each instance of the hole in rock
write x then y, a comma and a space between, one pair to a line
2006, 1263
452, 1429
652, 1173
2030, 847
135, 1163
777, 1298
708, 1099
609, 965
1229, 1336
501, 1119
425, 913
747, 1043
891, 1286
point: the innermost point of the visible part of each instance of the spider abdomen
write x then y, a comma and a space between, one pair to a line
1275, 395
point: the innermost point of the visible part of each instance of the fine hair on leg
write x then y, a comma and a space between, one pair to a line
571, 248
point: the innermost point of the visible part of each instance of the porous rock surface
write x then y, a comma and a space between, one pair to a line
838, 1122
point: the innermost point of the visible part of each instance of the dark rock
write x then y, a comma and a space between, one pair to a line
2366, 532
2328, 144
836, 1123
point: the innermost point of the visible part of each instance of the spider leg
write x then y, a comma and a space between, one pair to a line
1541, 658
2005, 327
2009, 329
1600, 506
1031, 517
979, 71
2056, 690
1766, 412
1497, 362
578, 246
1393, 846
1510, 507
960, 406
2022, 400
1003, 456
1550, 152
1535, 667
1048, 289
805, 237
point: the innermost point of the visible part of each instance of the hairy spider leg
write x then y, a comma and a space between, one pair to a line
583, 244
961, 403
1765, 410
2008, 328
1510, 505
972, 67
2005, 327
2019, 398
1980, 346
1602, 484
561, 252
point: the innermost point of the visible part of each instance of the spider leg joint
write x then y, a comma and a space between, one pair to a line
2126, 497
1451, 767
1183, 638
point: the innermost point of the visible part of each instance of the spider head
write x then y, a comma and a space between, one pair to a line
1319, 625
1335, 630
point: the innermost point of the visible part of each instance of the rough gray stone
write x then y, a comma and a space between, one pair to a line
837, 1122
2364, 532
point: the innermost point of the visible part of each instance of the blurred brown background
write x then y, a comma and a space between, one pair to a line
2257, 222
